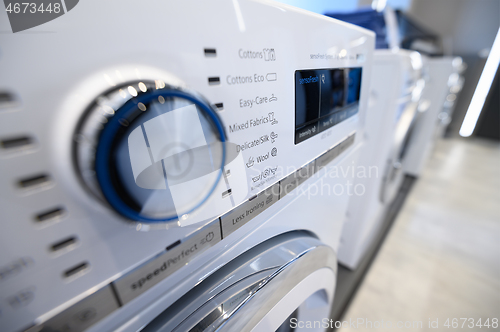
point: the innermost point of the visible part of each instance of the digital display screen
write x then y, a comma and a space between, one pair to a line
324, 98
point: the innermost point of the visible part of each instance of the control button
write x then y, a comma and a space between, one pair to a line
288, 184
305, 132
249, 210
294, 180
306, 172
346, 143
341, 116
327, 157
342, 146
351, 139
148, 275
327, 122
84, 314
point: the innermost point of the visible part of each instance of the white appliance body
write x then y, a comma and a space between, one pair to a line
395, 88
435, 115
69, 261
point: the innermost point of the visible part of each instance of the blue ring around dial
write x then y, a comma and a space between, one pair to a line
106, 139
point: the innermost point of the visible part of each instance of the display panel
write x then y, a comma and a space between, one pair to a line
324, 98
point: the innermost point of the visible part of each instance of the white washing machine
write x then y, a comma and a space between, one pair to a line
395, 89
443, 83
455, 85
176, 166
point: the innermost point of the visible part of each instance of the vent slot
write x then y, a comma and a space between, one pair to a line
7, 99
50, 215
210, 52
173, 245
35, 181
64, 244
76, 270
214, 80
16, 143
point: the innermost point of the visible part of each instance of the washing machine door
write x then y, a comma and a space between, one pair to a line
283, 284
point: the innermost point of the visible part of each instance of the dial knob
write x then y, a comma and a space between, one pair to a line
154, 153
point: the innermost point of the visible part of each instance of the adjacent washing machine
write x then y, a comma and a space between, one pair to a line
455, 84
176, 166
395, 90
443, 83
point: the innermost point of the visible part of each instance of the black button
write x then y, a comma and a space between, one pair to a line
305, 132
327, 122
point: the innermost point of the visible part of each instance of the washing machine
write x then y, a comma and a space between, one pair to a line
395, 90
176, 166
442, 86
455, 85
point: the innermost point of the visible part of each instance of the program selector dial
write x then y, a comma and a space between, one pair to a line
153, 152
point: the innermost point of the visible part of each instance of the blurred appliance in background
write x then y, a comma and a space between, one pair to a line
443, 83
394, 29
455, 86
395, 90
181, 177
443, 74
369, 19
415, 36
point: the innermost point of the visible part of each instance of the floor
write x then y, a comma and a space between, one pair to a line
441, 258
